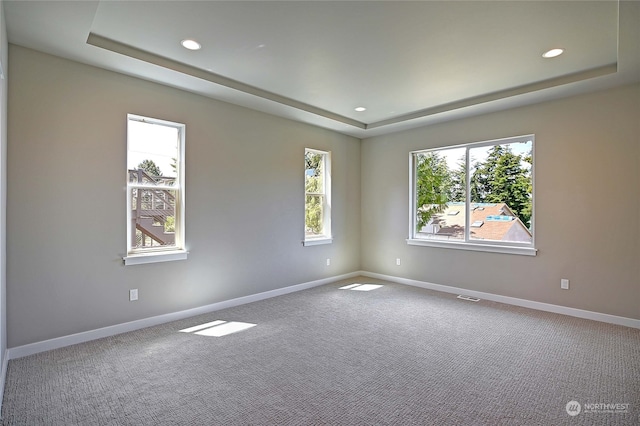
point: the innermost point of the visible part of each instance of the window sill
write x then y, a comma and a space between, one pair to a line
491, 248
155, 257
317, 241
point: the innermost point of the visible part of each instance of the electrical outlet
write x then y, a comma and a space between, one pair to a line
564, 284
328, 262
398, 261
133, 294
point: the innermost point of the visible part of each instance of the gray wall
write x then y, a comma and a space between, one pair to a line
66, 201
587, 183
4, 60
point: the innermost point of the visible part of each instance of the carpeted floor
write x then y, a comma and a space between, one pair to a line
396, 355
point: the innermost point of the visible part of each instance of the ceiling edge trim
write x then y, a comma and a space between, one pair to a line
151, 58
142, 55
502, 94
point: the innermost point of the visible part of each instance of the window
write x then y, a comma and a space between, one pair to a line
155, 190
477, 196
317, 207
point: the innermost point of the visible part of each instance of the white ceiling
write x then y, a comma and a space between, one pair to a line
409, 63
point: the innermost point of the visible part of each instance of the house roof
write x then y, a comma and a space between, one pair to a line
488, 221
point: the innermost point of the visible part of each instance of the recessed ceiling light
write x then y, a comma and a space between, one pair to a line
360, 109
552, 53
190, 44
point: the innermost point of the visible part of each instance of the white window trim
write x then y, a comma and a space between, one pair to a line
327, 236
160, 254
474, 245
486, 247
317, 241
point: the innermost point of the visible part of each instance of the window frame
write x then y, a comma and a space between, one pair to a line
327, 236
526, 249
177, 251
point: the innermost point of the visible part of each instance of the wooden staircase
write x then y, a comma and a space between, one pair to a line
152, 207
155, 231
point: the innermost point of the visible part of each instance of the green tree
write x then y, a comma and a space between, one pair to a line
502, 178
433, 186
150, 167
527, 210
458, 182
170, 224
484, 175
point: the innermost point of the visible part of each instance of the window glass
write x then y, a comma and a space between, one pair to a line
479, 193
155, 187
440, 194
317, 195
501, 192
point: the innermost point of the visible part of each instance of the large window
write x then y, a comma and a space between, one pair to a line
155, 190
477, 196
317, 208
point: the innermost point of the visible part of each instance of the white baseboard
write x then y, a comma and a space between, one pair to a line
59, 342
3, 375
564, 310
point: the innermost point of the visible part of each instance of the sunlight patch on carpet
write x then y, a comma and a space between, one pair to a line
202, 326
361, 287
218, 328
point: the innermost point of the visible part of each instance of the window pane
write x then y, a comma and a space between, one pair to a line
314, 174
152, 217
155, 199
152, 148
440, 194
314, 215
501, 192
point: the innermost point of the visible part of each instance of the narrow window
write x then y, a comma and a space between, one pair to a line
155, 190
476, 196
317, 211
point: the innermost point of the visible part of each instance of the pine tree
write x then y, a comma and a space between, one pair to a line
502, 178
458, 187
482, 180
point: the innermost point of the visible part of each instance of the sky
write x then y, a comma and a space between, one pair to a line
154, 142
454, 155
